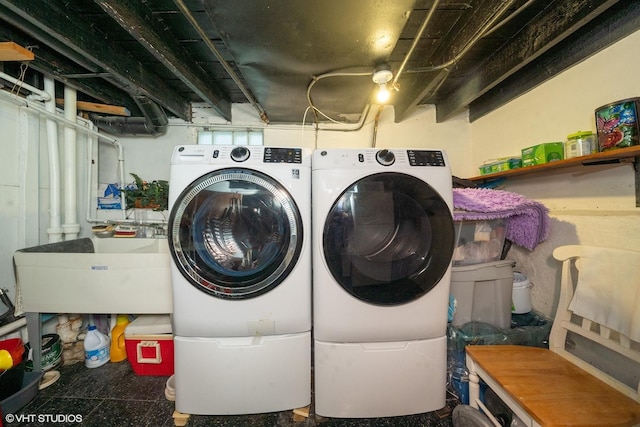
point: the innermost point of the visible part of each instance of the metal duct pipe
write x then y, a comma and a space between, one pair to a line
153, 123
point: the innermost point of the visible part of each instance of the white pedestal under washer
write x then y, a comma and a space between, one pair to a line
239, 237
383, 238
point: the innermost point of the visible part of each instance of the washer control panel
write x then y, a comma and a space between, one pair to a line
425, 158
282, 155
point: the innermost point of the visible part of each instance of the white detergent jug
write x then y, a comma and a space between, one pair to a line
96, 348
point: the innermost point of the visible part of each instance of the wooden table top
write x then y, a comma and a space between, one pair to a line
553, 390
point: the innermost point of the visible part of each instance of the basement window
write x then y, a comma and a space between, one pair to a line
230, 137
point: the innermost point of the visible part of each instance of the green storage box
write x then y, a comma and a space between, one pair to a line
542, 153
499, 165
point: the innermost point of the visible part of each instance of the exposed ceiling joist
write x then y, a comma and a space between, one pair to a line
561, 19
56, 64
70, 30
621, 21
453, 48
172, 53
167, 50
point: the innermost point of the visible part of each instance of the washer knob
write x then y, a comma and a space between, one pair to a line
240, 154
385, 157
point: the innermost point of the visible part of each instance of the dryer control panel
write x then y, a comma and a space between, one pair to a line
378, 158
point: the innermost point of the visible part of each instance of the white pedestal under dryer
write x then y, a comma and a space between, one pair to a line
239, 238
383, 238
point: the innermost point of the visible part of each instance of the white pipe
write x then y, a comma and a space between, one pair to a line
40, 109
123, 199
37, 94
18, 100
55, 229
71, 227
91, 164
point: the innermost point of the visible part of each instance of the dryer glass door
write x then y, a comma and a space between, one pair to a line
235, 233
388, 239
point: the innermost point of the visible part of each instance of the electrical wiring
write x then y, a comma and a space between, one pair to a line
488, 27
317, 78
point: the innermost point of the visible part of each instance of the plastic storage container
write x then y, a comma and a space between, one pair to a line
531, 329
118, 350
51, 346
149, 342
96, 348
521, 294
617, 124
579, 144
28, 390
478, 242
483, 293
11, 380
11, 352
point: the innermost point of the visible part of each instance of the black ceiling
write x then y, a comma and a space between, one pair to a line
278, 54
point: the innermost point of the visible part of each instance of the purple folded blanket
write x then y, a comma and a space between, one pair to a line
528, 223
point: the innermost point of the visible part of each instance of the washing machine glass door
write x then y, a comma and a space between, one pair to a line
235, 233
388, 239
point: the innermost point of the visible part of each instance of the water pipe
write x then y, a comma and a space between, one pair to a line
36, 94
55, 229
71, 227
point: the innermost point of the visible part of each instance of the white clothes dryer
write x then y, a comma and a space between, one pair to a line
239, 238
383, 242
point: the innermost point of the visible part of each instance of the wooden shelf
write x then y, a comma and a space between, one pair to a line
622, 155
9, 51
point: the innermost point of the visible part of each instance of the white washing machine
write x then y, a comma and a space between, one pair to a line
239, 238
383, 238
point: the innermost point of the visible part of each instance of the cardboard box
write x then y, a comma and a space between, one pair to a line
149, 344
500, 165
617, 124
479, 241
542, 153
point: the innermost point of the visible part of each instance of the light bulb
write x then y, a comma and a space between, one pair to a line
383, 93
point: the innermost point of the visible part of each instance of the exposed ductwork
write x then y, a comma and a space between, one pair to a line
265, 52
153, 123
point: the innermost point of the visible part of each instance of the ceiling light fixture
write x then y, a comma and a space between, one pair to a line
381, 76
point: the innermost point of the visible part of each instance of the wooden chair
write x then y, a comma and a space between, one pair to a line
559, 386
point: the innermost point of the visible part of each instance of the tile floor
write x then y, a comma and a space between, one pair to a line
113, 396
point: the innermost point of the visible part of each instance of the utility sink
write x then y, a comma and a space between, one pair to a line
97, 275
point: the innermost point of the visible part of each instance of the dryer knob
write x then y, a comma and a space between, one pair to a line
385, 157
240, 154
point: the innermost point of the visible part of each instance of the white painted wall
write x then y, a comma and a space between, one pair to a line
588, 205
24, 198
